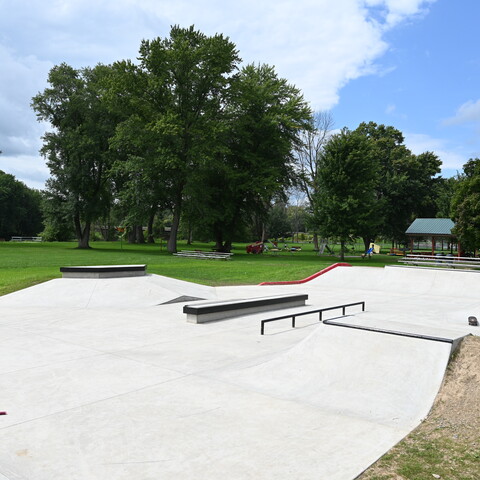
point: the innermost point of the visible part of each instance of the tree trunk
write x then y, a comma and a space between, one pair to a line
315, 242
366, 242
342, 250
227, 247
150, 238
172, 240
83, 235
139, 235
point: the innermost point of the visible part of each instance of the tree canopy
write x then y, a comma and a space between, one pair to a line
466, 206
346, 205
183, 129
405, 182
187, 130
20, 210
77, 149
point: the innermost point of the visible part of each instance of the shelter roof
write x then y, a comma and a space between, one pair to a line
431, 226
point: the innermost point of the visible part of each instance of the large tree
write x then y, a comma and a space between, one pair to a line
264, 117
187, 78
405, 183
346, 204
77, 149
466, 206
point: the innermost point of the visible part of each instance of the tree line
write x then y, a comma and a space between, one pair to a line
185, 129
188, 130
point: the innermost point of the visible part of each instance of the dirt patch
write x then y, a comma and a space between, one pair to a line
447, 443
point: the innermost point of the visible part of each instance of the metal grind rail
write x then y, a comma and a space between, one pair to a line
309, 312
389, 332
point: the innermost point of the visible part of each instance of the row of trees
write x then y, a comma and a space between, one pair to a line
185, 130
20, 208
466, 205
366, 183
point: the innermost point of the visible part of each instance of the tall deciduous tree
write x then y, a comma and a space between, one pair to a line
187, 79
139, 174
466, 206
265, 115
77, 149
444, 191
405, 182
308, 156
346, 203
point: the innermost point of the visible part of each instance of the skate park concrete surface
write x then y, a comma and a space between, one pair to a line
105, 378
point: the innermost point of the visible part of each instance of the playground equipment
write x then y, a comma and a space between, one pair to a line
255, 248
293, 248
261, 247
373, 248
324, 246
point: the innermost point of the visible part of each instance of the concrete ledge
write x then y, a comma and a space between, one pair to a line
104, 271
206, 312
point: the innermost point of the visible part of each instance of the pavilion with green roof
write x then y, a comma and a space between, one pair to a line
433, 228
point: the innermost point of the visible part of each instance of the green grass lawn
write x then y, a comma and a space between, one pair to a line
26, 264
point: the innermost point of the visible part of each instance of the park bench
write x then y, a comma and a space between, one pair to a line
201, 254
26, 239
208, 311
440, 261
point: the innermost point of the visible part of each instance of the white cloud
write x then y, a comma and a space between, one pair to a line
452, 159
319, 45
396, 11
21, 77
469, 112
29, 169
391, 108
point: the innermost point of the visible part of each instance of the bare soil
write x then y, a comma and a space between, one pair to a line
447, 443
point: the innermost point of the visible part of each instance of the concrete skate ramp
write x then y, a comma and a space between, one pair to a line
387, 380
133, 292
404, 280
100, 381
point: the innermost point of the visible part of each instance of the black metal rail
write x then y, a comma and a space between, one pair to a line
309, 312
389, 332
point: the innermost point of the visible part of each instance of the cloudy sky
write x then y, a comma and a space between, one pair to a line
413, 64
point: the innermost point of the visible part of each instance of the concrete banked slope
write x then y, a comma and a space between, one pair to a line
104, 378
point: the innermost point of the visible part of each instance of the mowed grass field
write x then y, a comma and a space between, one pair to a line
25, 264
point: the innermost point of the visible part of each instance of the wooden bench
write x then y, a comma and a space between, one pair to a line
200, 254
104, 271
208, 311
26, 239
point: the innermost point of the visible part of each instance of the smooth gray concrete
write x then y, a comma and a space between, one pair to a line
101, 381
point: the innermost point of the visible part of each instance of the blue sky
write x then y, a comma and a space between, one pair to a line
413, 64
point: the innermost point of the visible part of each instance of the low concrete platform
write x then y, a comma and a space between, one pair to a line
104, 271
103, 378
219, 310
